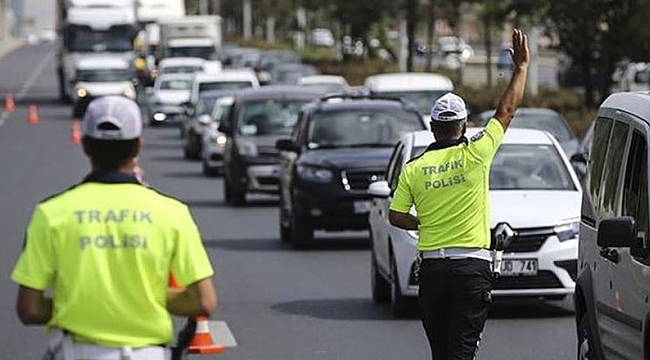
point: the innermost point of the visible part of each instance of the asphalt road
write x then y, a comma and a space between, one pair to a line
279, 303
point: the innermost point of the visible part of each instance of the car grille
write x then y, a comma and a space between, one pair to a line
359, 180
268, 180
543, 280
528, 240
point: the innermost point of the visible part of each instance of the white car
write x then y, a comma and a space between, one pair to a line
167, 97
214, 141
229, 79
329, 83
422, 89
533, 189
182, 65
97, 76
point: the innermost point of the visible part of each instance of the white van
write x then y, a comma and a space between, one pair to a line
612, 294
224, 80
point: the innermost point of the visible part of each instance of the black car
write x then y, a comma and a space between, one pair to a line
340, 145
259, 117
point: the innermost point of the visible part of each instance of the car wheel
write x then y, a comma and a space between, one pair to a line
285, 224
585, 340
380, 287
234, 195
400, 304
302, 232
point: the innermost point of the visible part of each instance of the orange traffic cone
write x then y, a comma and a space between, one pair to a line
32, 115
10, 104
75, 135
202, 343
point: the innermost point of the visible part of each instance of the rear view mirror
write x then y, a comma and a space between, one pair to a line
617, 232
379, 189
286, 145
579, 158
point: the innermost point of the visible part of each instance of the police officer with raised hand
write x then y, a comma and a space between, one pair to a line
449, 186
106, 248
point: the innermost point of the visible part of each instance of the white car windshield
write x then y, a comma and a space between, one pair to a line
360, 128
529, 167
225, 85
104, 75
175, 85
184, 69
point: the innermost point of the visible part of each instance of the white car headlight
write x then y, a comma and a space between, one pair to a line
415, 234
247, 148
221, 140
82, 93
129, 92
315, 174
567, 230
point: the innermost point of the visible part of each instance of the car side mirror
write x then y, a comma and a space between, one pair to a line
205, 119
617, 232
286, 145
379, 189
579, 158
224, 128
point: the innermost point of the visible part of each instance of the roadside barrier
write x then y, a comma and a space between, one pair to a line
75, 134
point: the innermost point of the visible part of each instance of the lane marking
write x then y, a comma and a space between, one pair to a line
29, 83
221, 334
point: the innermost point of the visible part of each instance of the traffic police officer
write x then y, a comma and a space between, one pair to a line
448, 184
107, 247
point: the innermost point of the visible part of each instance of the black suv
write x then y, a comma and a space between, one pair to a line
259, 117
339, 146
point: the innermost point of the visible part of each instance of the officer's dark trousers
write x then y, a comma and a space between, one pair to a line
454, 303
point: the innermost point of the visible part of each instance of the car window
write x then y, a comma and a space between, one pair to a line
423, 100
635, 188
205, 105
600, 142
268, 117
225, 85
104, 75
550, 122
181, 69
221, 112
175, 85
341, 129
529, 167
610, 199
394, 166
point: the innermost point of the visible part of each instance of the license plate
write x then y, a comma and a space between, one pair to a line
519, 267
362, 207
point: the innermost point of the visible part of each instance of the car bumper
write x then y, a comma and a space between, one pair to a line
263, 178
335, 211
213, 154
557, 267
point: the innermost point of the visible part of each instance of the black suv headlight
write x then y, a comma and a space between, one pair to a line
314, 174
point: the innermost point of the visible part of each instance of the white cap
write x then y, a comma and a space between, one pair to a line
449, 103
112, 118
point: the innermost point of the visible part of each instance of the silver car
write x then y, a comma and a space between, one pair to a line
214, 141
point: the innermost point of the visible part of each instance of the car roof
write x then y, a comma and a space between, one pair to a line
277, 92
408, 82
226, 75
512, 136
322, 79
180, 61
636, 103
487, 114
104, 62
190, 42
338, 104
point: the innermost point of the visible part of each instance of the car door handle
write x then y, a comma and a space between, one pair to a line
610, 254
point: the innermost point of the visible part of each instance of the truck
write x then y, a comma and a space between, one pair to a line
191, 36
92, 27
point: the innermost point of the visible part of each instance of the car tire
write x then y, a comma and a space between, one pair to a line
285, 223
302, 232
234, 195
401, 305
380, 286
585, 341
